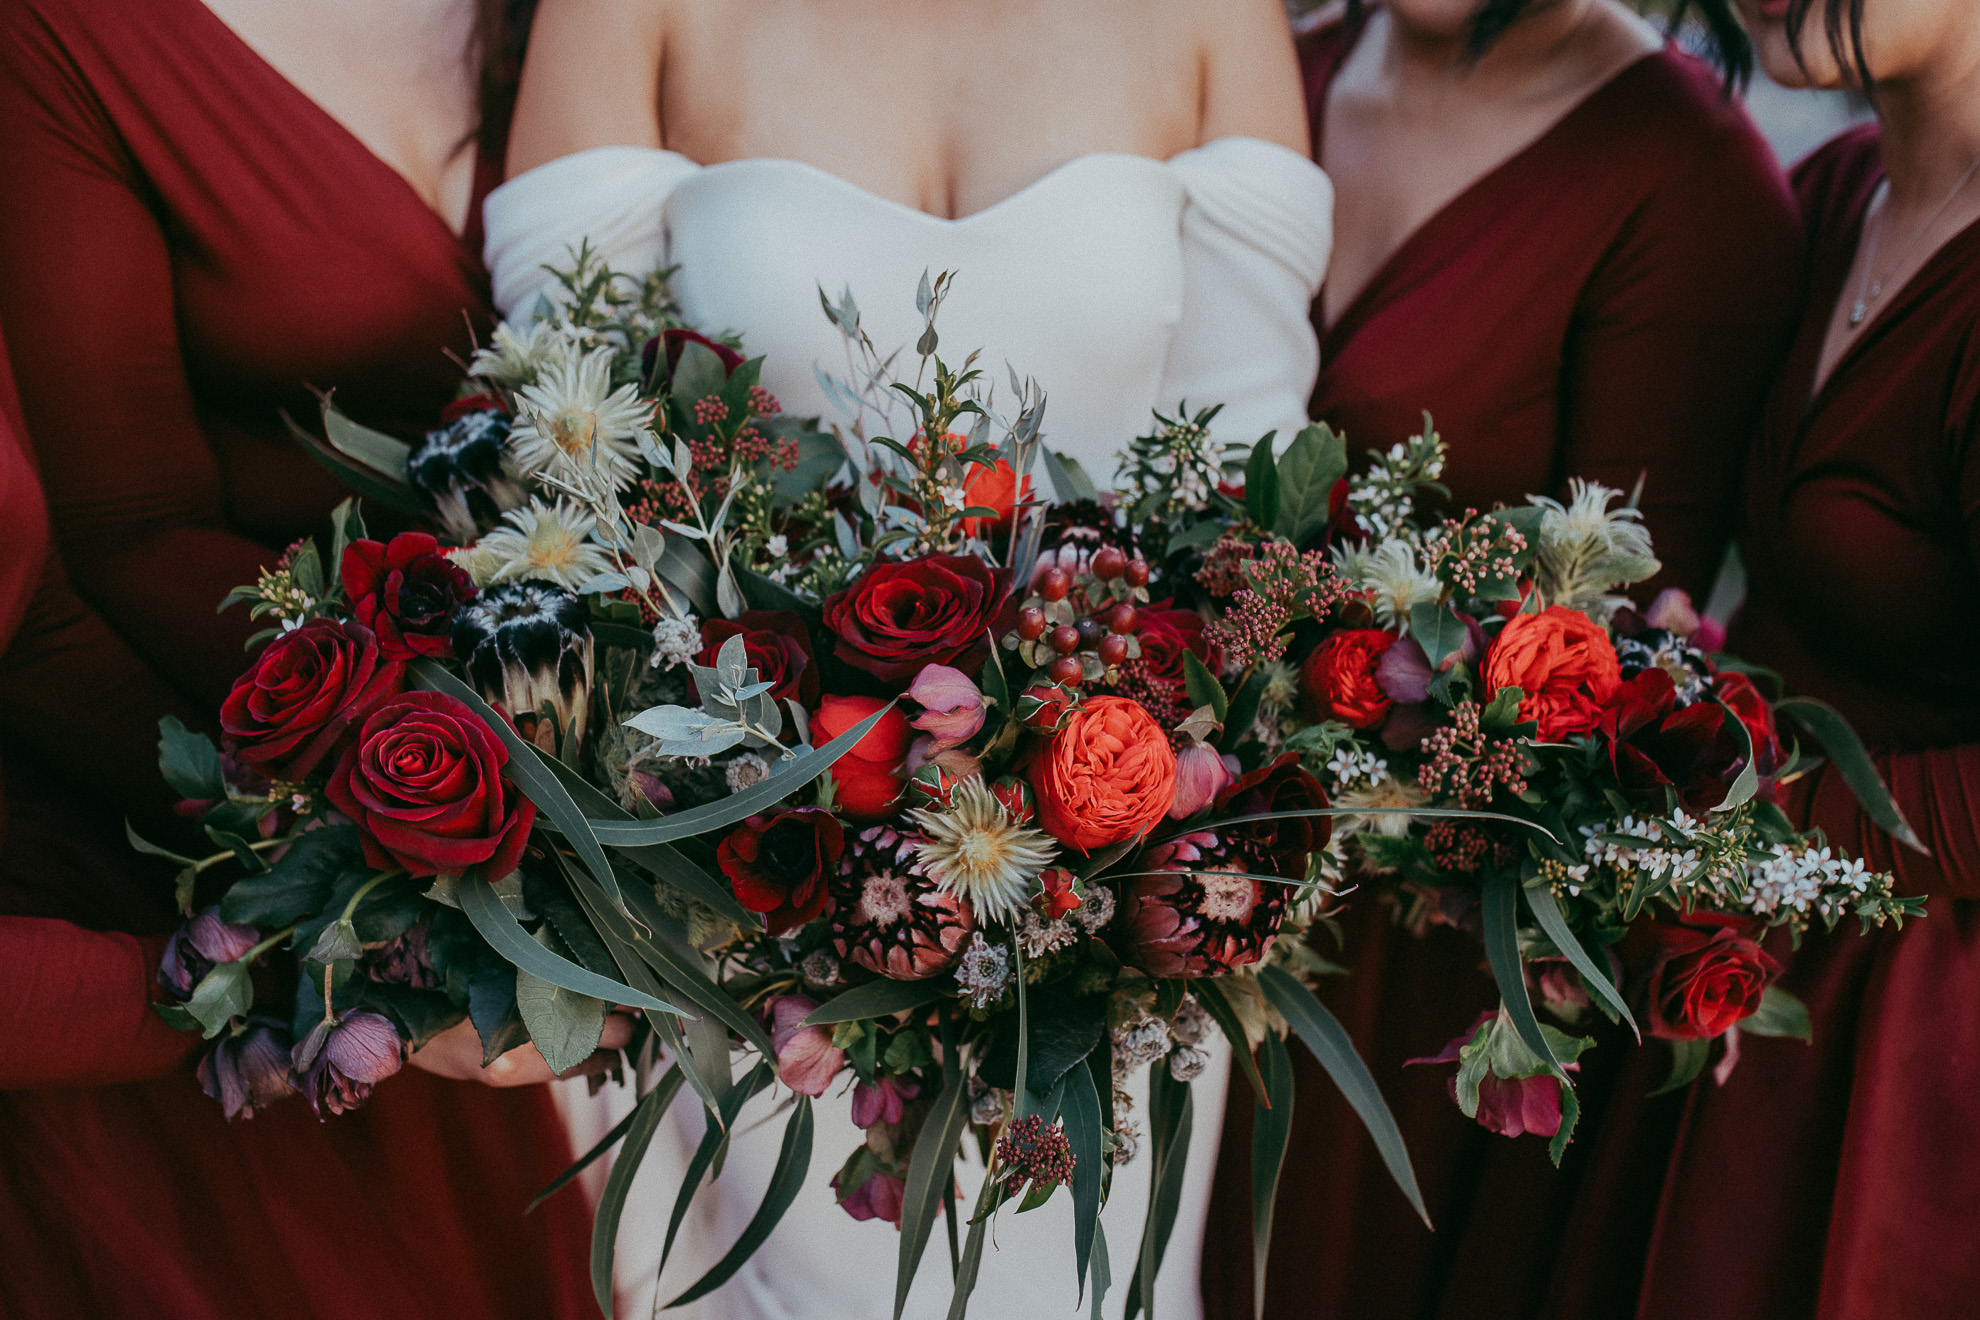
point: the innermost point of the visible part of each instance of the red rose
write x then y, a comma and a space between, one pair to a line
899, 617
1340, 678
1165, 635
779, 863
1654, 744
779, 647
1756, 713
1705, 973
424, 782
305, 690
868, 778
406, 592
1280, 785
1563, 663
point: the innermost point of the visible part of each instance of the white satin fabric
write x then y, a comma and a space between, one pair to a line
1124, 285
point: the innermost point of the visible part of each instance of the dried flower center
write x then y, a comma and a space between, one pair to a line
574, 430
1228, 897
883, 899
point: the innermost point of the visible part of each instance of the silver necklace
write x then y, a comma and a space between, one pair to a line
1871, 288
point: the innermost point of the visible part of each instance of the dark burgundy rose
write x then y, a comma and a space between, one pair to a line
1704, 973
1654, 743
675, 341
337, 1064
423, 780
1165, 635
1757, 713
200, 945
1280, 786
781, 863
899, 617
779, 647
306, 689
248, 1072
406, 592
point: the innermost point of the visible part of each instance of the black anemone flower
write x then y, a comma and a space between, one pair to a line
526, 644
464, 469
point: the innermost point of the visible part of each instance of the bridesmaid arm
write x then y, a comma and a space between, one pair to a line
75, 1007
1674, 347
592, 79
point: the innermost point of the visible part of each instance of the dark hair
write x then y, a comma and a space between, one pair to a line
501, 32
1842, 23
1726, 40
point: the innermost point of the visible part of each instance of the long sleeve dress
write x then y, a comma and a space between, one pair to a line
186, 243
1609, 303
1837, 1180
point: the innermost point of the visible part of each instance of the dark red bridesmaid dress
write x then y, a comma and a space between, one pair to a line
186, 241
1609, 303
1841, 1180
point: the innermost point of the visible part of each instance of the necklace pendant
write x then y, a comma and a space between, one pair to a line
1857, 313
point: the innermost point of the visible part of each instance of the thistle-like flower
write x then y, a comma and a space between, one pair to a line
1380, 799
547, 543
1396, 578
976, 851
526, 644
464, 469
573, 426
1587, 549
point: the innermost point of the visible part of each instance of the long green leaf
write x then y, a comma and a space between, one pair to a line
712, 1141
383, 454
930, 1177
1852, 759
972, 1255
499, 928
1271, 1132
1427, 813
783, 781
878, 999
584, 1161
1103, 1269
1329, 1043
1021, 1100
1500, 904
366, 481
1171, 1115
527, 769
669, 954
1547, 908
646, 1117
1212, 997
1747, 782
793, 1162
1083, 1130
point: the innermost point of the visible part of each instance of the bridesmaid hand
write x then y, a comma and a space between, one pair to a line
456, 1054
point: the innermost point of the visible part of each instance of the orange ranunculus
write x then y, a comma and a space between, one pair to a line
992, 488
1106, 777
1564, 665
869, 776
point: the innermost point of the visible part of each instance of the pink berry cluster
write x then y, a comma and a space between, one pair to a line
1464, 848
1034, 1152
1474, 551
1462, 765
1285, 585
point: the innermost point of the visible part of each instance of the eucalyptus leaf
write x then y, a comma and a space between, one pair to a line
1828, 727
793, 1162
646, 1118
930, 1175
381, 453
1547, 910
1271, 1133
879, 999
1500, 909
513, 943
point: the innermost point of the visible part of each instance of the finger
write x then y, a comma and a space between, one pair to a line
617, 1034
522, 1066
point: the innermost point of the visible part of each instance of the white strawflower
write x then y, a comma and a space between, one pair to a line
572, 425
516, 358
478, 562
977, 852
545, 542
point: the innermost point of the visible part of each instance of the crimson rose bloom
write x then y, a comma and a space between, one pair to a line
1756, 713
1165, 634
305, 690
899, 617
779, 863
1654, 744
1564, 664
1705, 974
1340, 677
424, 783
406, 591
779, 647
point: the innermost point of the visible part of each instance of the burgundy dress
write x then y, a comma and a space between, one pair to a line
1849, 1167
1609, 303
186, 241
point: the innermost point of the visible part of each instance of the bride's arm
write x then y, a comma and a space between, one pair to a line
1251, 81
592, 79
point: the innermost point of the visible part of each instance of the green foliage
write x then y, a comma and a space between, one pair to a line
300, 882
1314, 461
1779, 1014
564, 1024
189, 761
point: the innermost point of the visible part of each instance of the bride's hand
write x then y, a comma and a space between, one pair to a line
456, 1054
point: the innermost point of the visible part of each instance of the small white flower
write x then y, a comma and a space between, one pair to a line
573, 426
777, 546
516, 358
545, 542
676, 641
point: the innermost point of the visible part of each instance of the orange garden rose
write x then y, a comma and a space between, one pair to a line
1563, 663
1106, 777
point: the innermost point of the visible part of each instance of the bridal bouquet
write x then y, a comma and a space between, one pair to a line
841, 758
1630, 855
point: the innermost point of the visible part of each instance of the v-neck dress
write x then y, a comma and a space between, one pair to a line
187, 243
1612, 303
1841, 1179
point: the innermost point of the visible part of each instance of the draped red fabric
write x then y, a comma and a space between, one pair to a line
1848, 1166
187, 244
1610, 303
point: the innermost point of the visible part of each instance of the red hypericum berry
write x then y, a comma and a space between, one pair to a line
1137, 572
1113, 649
1056, 584
1067, 669
1109, 562
1090, 633
1065, 639
1123, 619
1031, 623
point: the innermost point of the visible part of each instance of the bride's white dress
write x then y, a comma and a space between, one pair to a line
1122, 283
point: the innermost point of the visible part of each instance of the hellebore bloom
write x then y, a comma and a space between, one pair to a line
248, 1072
1200, 776
338, 1063
806, 1059
954, 705
199, 946
883, 1102
879, 1197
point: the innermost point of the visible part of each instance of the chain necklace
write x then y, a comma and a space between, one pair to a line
1871, 288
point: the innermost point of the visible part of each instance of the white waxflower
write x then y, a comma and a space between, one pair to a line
546, 543
573, 426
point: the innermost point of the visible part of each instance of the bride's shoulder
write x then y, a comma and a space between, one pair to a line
1251, 81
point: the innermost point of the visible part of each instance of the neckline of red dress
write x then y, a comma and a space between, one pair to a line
253, 58
1345, 33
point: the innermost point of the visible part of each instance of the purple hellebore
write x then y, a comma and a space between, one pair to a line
883, 1102
248, 1072
339, 1062
806, 1059
954, 706
200, 945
